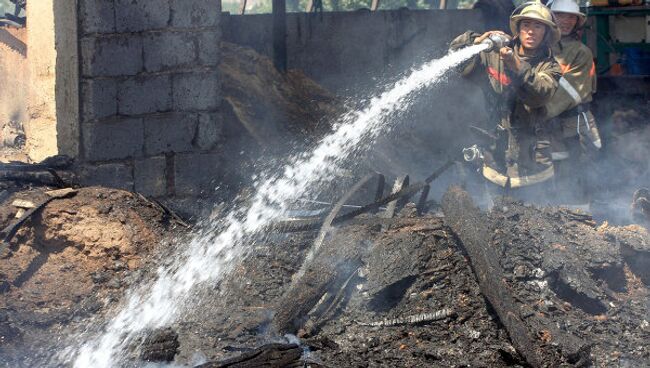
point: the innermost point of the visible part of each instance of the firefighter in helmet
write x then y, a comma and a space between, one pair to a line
575, 134
519, 79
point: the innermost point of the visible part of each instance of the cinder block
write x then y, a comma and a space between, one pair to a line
143, 95
150, 177
141, 15
209, 50
172, 132
209, 132
98, 99
195, 13
97, 16
169, 50
116, 140
196, 173
197, 91
113, 175
110, 56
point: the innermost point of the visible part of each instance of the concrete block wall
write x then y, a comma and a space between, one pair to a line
150, 95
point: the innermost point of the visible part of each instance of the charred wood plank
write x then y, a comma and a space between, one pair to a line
267, 356
339, 257
315, 222
327, 225
299, 225
528, 333
21, 171
160, 346
415, 319
422, 202
47, 177
400, 184
403, 194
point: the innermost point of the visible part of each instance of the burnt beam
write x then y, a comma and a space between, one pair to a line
539, 341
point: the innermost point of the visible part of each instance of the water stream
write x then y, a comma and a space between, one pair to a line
212, 253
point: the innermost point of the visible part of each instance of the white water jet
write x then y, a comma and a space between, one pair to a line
210, 256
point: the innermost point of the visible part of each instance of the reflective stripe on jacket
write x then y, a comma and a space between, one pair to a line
578, 81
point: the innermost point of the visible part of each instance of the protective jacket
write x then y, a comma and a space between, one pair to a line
522, 154
570, 103
578, 80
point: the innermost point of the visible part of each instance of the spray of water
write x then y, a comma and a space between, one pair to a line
210, 256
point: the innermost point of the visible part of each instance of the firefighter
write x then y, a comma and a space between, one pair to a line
518, 80
575, 134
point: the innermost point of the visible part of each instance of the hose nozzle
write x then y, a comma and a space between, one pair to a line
496, 41
472, 153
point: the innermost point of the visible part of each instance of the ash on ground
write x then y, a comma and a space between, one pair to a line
379, 292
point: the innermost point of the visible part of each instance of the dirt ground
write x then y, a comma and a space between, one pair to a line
70, 261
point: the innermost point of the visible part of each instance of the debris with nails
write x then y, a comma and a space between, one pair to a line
414, 319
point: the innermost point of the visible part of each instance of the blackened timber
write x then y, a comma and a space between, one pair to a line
338, 258
381, 183
31, 173
439, 172
327, 224
280, 35
400, 183
524, 328
308, 224
404, 193
421, 205
407, 192
267, 356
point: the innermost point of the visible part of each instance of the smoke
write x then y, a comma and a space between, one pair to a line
601, 182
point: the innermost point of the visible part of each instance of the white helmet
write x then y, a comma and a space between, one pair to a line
569, 7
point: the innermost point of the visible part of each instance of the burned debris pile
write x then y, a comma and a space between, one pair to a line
516, 286
396, 284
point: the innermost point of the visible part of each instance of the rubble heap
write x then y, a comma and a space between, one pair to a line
68, 261
516, 286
